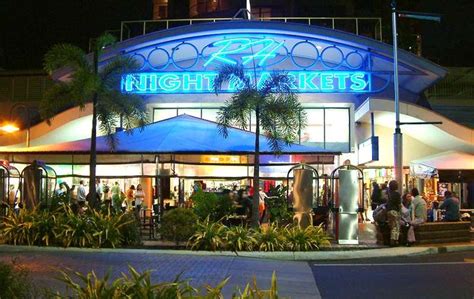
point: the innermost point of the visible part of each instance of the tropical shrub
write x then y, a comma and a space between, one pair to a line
269, 238
77, 230
15, 281
252, 291
109, 227
62, 227
208, 204
277, 206
16, 229
209, 236
215, 236
239, 238
140, 285
131, 231
178, 225
304, 239
43, 227
320, 237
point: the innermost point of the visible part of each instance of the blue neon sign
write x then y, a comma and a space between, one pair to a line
236, 46
202, 82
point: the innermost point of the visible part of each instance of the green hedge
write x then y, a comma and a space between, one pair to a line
178, 225
212, 205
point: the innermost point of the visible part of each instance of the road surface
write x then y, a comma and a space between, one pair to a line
449, 275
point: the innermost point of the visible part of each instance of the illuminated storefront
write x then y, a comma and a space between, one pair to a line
340, 79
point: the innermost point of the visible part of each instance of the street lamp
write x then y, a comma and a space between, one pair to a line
11, 127
397, 136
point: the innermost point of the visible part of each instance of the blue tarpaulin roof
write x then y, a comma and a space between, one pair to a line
183, 134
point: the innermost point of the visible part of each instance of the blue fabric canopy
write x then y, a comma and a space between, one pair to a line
183, 134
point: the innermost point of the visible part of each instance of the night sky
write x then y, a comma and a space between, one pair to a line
30, 27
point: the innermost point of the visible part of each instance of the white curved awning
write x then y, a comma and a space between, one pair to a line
448, 136
448, 160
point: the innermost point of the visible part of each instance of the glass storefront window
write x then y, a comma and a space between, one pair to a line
313, 133
210, 114
253, 120
160, 114
191, 111
327, 128
337, 129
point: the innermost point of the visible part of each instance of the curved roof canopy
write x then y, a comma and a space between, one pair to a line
184, 60
183, 134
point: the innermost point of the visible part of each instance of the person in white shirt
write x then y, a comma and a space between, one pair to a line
139, 198
81, 193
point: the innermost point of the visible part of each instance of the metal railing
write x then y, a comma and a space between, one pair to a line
369, 27
458, 84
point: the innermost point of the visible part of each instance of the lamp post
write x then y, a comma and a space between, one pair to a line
397, 136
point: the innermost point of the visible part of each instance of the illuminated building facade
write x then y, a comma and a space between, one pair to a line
342, 79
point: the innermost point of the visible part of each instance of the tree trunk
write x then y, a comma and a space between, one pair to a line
93, 154
256, 171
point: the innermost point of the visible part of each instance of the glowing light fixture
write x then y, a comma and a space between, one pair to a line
9, 128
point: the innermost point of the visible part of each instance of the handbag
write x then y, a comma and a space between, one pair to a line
380, 214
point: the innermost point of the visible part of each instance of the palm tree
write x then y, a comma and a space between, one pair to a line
278, 113
89, 84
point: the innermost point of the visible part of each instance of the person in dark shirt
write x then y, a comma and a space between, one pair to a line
451, 205
393, 212
376, 197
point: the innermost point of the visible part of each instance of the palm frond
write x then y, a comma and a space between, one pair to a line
282, 119
113, 105
236, 111
65, 55
232, 74
278, 83
107, 123
130, 107
104, 41
84, 84
55, 99
111, 74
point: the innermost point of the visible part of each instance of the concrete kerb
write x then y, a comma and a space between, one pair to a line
279, 255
